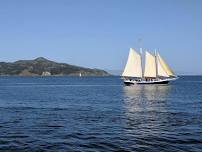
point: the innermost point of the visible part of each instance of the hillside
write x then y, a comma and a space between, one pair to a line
42, 66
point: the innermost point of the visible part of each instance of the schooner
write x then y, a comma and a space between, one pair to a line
155, 71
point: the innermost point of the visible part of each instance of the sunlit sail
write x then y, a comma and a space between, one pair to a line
150, 65
133, 66
165, 66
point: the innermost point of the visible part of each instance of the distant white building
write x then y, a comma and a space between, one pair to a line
46, 73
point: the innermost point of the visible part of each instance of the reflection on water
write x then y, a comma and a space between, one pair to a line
145, 110
142, 97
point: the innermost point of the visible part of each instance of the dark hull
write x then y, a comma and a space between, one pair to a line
128, 83
161, 82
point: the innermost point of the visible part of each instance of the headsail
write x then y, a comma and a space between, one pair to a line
161, 71
165, 66
150, 65
133, 66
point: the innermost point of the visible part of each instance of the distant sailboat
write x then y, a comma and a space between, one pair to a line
80, 75
156, 70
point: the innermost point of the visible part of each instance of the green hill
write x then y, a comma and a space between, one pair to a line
42, 66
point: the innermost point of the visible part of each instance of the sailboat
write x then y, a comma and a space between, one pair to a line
156, 70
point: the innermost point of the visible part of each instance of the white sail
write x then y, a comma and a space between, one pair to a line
133, 66
150, 65
165, 66
161, 70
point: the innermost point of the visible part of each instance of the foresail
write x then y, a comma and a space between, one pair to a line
161, 71
165, 66
133, 66
150, 65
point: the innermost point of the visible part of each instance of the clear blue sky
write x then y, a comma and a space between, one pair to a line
99, 33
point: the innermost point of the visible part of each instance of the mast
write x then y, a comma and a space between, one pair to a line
155, 53
141, 53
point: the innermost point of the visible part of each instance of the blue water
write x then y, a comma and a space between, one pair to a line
99, 114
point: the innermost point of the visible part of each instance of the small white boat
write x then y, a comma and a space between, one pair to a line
156, 70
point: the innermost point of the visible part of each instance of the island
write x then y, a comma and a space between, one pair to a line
44, 67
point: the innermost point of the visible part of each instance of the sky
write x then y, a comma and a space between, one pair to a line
99, 33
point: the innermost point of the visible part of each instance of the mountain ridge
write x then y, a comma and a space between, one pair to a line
42, 66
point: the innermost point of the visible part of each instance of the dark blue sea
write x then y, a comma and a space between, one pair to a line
99, 114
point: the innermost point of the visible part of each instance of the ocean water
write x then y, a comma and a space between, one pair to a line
99, 114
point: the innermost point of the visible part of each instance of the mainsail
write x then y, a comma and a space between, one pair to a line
150, 65
133, 66
165, 66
